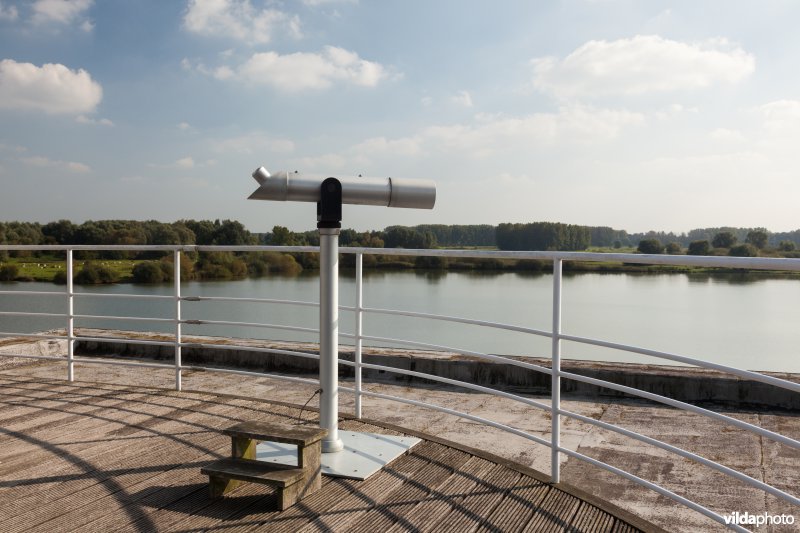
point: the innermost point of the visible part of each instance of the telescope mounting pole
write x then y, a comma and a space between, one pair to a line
329, 223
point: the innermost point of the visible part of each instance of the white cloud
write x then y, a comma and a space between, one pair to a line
426, 101
186, 162
302, 70
184, 126
60, 11
781, 115
87, 26
316, 3
490, 135
8, 13
252, 143
641, 64
322, 163
44, 162
462, 98
12, 148
727, 135
578, 124
238, 19
52, 88
408, 146
83, 119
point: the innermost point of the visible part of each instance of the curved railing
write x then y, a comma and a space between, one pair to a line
358, 336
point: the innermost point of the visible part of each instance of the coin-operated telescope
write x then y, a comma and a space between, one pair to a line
330, 193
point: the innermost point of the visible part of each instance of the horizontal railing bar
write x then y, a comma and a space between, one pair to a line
131, 318
247, 324
464, 384
683, 453
33, 293
25, 313
748, 374
52, 357
481, 355
31, 335
117, 362
249, 373
686, 407
756, 263
253, 300
125, 340
122, 296
248, 349
474, 418
496, 325
652, 486
265, 248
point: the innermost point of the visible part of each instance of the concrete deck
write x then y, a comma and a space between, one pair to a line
757, 457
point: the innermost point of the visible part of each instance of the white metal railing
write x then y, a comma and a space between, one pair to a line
555, 334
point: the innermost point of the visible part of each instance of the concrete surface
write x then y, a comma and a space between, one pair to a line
760, 458
684, 383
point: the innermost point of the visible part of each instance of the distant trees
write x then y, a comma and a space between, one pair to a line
9, 272
787, 246
674, 248
724, 239
460, 235
153, 272
404, 237
650, 246
699, 248
94, 274
758, 238
743, 250
543, 236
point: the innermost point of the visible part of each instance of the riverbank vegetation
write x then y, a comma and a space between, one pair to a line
110, 266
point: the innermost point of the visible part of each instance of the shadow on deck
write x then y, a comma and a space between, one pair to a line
101, 457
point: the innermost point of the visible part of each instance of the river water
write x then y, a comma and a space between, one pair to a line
742, 321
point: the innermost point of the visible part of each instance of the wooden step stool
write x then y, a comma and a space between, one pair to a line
292, 482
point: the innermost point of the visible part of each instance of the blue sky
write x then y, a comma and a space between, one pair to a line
635, 115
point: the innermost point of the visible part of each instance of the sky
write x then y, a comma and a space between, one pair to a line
639, 115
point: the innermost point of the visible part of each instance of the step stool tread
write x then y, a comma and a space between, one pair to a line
287, 434
254, 471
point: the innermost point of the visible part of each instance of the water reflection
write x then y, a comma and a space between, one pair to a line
701, 315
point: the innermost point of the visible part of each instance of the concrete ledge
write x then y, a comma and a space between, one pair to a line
688, 384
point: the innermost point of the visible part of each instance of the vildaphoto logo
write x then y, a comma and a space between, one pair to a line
758, 520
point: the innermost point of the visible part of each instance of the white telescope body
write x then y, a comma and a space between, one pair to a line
286, 186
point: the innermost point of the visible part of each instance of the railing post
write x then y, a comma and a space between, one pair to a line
555, 393
70, 321
177, 277
358, 329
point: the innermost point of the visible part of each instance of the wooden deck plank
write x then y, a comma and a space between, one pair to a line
172, 489
50, 459
488, 494
102, 458
441, 499
97, 485
554, 513
517, 507
169, 462
398, 505
373, 491
590, 519
387, 510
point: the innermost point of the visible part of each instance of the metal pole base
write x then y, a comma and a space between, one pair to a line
332, 446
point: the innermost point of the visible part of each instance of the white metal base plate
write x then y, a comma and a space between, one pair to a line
363, 454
